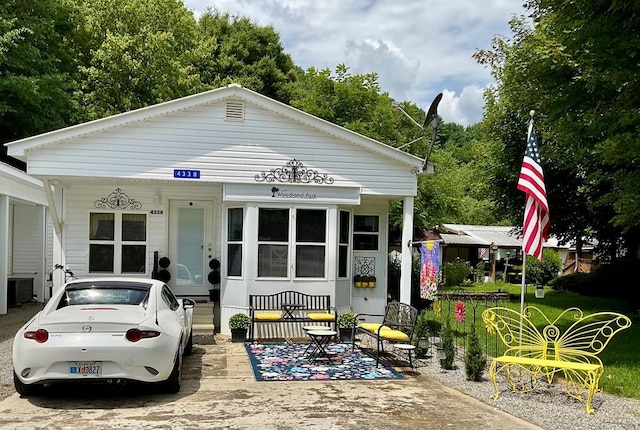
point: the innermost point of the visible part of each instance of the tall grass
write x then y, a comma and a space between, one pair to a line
620, 357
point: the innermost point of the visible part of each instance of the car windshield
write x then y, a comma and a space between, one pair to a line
105, 294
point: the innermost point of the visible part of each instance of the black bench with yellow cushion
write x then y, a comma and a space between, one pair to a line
395, 326
290, 307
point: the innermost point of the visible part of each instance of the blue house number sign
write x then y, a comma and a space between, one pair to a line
186, 174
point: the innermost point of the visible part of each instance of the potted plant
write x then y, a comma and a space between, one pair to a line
357, 281
346, 323
239, 323
371, 281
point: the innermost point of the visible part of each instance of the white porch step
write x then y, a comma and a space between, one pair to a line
203, 319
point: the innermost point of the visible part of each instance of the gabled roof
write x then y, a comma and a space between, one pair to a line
18, 149
485, 235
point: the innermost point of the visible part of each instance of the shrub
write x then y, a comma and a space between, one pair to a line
474, 360
573, 282
448, 347
455, 272
546, 272
239, 321
346, 320
480, 272
421, 330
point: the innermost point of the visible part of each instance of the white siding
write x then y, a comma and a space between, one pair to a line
81, 201
27, 240
224, 151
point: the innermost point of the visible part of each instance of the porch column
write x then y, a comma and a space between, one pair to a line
407, 257
4, 251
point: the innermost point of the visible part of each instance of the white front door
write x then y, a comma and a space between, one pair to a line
190, 246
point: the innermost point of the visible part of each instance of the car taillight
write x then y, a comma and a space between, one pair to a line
40, 335
134, 334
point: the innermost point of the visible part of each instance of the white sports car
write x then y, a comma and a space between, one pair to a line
105, 330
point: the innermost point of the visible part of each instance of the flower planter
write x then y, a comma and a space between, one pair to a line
238, 335
346, 334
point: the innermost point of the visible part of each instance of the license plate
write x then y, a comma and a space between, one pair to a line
85, 369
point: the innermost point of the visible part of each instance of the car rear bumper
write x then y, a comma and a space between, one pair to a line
148, 360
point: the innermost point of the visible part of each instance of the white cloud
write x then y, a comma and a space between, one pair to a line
418, 48
465, 109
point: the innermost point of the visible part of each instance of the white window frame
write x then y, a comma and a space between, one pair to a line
366, 233
347, 245
118, 243
293, 243
235, 242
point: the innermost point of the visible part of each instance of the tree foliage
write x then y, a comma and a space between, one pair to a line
36, 61
576, 65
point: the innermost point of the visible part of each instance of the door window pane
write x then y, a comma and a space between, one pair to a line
190, 247
309, 261
365, 232
366, 223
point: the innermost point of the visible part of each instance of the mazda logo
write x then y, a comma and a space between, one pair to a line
86, 328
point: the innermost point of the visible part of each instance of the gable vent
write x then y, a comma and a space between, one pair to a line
234, 111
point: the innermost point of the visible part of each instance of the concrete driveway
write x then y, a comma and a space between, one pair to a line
220, 392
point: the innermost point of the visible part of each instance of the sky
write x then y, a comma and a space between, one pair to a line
419, 48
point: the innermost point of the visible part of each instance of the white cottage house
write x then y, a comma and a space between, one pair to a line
228, 191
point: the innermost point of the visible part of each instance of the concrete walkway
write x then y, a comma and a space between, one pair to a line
220, 392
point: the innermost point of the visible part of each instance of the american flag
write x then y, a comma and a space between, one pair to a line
536, 214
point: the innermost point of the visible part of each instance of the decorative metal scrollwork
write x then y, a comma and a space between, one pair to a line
117, 200
294, 172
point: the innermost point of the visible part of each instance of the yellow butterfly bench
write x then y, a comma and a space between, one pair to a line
290, 307
538, 348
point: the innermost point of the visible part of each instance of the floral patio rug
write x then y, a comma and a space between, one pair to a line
288, 362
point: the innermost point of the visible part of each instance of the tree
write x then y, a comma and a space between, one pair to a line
140, 55
234, 49
576, 66
36, 62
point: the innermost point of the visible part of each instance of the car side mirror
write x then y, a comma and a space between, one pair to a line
188, 303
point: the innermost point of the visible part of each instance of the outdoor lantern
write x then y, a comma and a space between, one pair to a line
539, 293
441, 354
423, 343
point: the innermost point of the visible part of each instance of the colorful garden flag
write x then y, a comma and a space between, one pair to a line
429, 256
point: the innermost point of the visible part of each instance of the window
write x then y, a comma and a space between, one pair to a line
343, 244
366, 231
117, 243
279, 241
273, 243
311, 233
235, 224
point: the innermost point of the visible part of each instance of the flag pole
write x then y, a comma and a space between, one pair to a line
523, 286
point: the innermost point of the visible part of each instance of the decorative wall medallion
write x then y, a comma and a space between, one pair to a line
117, 200
365, 266
294, 172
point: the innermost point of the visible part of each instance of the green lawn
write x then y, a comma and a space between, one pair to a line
621, 357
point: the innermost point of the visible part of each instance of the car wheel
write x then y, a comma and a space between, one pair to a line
172, 384
26, 390
188, 349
